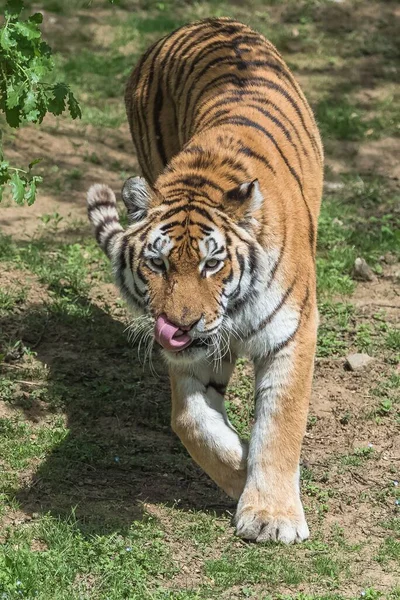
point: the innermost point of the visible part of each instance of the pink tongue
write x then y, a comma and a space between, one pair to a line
169, 336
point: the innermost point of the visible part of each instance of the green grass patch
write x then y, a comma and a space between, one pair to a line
389, 550
254, 565
239, 403
336, 323
72, 563
358, 457
10, 298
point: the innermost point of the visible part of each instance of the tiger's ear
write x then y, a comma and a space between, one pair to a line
243, 201
136, 194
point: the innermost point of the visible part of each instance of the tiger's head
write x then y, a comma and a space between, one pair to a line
185, 264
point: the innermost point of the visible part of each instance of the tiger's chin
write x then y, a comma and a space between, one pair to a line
196, 352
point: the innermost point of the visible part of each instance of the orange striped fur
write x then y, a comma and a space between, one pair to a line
221, 244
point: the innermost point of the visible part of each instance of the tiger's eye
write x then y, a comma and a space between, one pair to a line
212, 263
157, 262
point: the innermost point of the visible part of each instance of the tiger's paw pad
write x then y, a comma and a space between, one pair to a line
261, 526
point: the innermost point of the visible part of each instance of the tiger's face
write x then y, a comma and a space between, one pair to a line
187, 264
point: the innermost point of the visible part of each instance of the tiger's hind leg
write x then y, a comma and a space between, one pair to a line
270, 507
200, 421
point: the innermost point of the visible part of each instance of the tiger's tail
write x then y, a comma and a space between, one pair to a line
103, 214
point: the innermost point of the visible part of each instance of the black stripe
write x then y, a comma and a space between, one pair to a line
242, 265
203, 212
157, 108
210, 121
133, 106
188, 195
165, 228
249, 95
277, 308
146, 100
144, 233
176, 46
279, 124
252, 154
275, 268
141, 112
194, 46
248, 82
245, 122
106, 242
291, 337
235, 164
251, 293
194, 149
139, 274
253, 265
217, 29
173, 211
120, 275
101, 203
228, 44
227, 280
106, 221
194, 180
131, 255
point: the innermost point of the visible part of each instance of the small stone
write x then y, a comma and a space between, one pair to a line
363, 271
357, 361
390, 258
333, 186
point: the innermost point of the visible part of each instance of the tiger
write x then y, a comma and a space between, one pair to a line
219, 253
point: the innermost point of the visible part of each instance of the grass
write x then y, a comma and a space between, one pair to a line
76, 562
97, 499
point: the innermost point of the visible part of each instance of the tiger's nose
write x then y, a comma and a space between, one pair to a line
183, 326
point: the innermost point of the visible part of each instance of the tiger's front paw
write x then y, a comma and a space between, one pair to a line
269, 520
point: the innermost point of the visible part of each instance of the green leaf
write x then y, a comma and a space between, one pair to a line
14, 8
30, 194
57, 103
28, 29
31, 112
17, 188
6, 40
4, 172
13, 116
41, 104
36, 18
73, 106
13, 95
34, 162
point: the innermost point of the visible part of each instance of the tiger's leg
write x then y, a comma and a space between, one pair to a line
199, 419
270, 507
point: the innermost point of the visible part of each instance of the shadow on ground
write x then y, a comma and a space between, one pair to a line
119, 451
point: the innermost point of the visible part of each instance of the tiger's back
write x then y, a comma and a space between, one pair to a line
215, 73
213, 104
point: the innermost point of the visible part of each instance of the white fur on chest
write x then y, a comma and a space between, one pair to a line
275, 322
